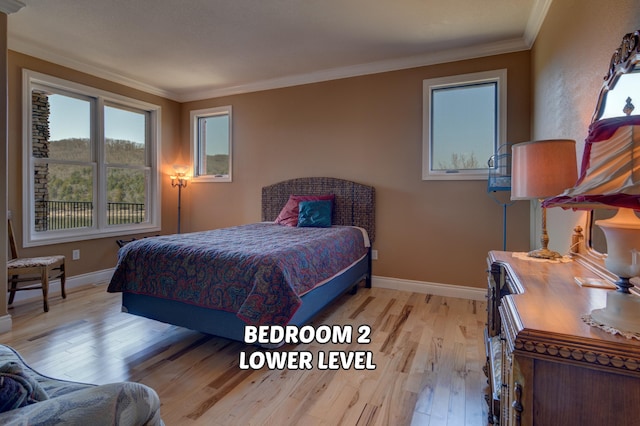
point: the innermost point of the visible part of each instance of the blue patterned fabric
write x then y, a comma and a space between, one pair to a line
258, 271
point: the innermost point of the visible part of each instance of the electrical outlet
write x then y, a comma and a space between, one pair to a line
374, 254
75, 255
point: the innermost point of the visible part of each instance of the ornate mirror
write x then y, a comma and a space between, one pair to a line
622, 82
621, 89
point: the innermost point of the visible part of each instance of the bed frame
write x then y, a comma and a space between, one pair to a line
354, 205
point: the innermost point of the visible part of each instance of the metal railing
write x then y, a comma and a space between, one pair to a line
77, 214
118, 213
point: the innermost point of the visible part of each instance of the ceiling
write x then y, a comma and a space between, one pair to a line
196, 49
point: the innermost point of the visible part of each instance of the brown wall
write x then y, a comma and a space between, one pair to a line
569, 60
99, 254
369, 129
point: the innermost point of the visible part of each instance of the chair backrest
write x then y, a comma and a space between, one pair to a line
12, 241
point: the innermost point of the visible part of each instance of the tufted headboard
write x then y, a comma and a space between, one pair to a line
354, 203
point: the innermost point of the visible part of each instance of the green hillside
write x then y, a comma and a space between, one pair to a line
74, 183
118, 151
218, 164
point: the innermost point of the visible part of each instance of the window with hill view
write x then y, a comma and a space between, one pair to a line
92, 162
464, 124
211, 144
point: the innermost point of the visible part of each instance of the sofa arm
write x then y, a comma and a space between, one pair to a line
122, 404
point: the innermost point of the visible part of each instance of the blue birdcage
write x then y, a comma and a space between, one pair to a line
500, 169
500, 180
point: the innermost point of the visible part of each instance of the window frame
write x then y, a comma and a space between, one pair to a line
194, 116
499, 77
99, 99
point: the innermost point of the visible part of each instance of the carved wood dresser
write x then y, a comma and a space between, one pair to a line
545, 365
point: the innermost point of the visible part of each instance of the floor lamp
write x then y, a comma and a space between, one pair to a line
180, 180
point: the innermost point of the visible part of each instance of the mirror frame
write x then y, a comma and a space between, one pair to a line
624, 60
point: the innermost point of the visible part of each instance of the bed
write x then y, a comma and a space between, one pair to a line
264, 273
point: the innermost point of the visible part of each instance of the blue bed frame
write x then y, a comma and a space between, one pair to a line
354, 206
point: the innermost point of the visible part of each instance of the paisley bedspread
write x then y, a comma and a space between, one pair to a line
259, 271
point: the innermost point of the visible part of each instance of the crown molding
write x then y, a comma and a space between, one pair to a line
451, 55
444, 56
536, 18
18, 44
10, 6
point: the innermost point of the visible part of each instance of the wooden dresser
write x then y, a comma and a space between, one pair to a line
545, 365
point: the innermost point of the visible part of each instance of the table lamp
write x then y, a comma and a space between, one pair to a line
542, 169
610, 178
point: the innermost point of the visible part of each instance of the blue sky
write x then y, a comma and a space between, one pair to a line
463, 123
70, 118
217, 134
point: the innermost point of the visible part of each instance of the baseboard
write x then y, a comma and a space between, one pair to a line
5, 324
72, 282
425, 287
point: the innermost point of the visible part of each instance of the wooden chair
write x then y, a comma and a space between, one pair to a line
32, 273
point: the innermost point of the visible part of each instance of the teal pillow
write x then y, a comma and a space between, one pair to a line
315, 214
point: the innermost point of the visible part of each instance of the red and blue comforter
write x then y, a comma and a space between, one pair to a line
259, 271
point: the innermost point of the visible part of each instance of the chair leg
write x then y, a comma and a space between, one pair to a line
62, 281
12, 290
45, 289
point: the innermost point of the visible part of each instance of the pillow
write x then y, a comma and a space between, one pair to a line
289, 214
315, 214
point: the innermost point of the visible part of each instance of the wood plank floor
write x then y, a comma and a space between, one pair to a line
428, 351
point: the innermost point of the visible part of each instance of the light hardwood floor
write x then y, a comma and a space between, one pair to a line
428, 352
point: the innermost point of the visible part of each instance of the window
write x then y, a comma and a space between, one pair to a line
90, 162
211, 147
464, 123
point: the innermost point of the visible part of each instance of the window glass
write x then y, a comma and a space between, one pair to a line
126, 195
464, 124
69, 128
125, 132
463, 147
67, 200
125, 135
214, 144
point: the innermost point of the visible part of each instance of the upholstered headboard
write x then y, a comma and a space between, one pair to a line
354, 203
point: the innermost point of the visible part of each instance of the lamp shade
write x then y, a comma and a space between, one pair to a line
541, 169
180, 169
610, 174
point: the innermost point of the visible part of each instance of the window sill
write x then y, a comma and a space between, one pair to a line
455, 176
205, 179
52, 238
